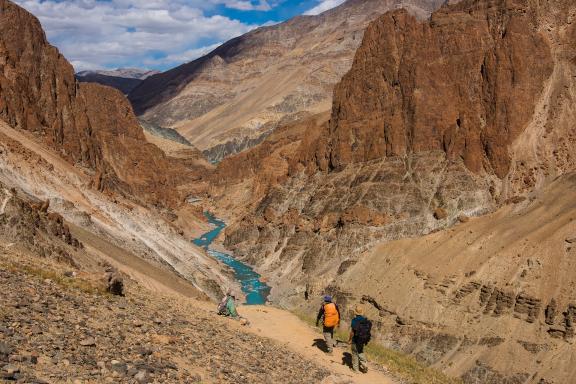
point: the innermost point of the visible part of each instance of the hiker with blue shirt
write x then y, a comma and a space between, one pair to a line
360, 334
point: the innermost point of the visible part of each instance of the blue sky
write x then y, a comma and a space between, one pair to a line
155, 34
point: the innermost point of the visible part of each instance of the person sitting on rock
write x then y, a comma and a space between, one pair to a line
227, 306
360, 334
330, 315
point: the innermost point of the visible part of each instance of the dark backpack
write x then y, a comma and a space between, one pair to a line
362, 331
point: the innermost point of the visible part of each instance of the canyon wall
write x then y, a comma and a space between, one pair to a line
79, 149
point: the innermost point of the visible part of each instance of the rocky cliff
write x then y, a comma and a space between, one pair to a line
436, 122
465, 83
90, 125
229, 99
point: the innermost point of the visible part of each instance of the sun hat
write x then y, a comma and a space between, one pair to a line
328, 298
359, 310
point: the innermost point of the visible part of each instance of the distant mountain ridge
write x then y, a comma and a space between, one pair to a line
123, 79
127, 73
270, 76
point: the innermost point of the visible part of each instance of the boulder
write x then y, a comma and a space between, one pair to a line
115, 284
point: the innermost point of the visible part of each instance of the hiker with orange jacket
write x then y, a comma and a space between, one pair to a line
330, 315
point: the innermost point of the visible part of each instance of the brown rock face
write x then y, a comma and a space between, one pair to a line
90, 125
465, 82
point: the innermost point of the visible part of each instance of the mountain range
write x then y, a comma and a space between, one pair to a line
123, 79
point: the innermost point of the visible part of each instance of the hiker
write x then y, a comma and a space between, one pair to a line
227, 307
360, 334
330, 315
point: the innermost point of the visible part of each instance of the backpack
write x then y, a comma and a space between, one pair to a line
362, 331
331, 318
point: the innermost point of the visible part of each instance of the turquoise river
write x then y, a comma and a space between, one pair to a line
255, 290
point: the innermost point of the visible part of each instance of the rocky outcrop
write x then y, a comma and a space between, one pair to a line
89, 125
465, 83
31, 226
254, 83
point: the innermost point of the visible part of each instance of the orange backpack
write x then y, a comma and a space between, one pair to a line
331, 317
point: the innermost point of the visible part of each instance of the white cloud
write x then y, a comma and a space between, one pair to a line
324, 6
182, 57
248, 6
116, 33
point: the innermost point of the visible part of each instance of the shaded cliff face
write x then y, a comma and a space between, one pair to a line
227, 100
465, 83
90, 125
437, 122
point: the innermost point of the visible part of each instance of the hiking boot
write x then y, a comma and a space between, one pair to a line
364, 369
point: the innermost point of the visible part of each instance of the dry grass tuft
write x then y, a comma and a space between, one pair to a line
85, 286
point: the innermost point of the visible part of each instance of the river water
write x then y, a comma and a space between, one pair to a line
256, 291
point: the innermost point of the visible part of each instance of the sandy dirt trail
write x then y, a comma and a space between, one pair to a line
266, 321
295, 334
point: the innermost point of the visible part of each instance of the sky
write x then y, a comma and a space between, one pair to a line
155, 34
